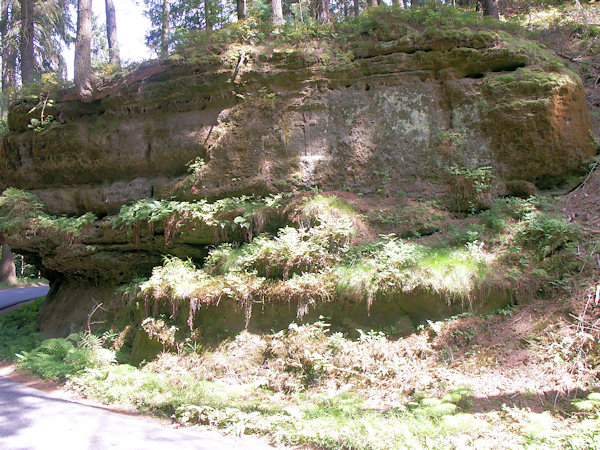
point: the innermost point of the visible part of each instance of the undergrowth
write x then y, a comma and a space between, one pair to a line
317, 261
246, 214
307, 386
381, 22
20, 210
18, 330
60, 358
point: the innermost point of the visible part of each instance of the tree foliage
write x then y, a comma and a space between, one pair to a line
52, 27
172, 19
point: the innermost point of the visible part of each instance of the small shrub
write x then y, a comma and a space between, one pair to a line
472, 187
465, 235
513, 207
60, 358
546, 234
492, 220
590, 403
245, 213
17, 206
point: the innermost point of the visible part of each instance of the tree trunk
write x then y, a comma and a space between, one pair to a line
111, 33
323, 11
83, 60
356, 8
241, 9
9, 55
207, 18
490, 8
7, 266
27, 54
166, 28
277, 12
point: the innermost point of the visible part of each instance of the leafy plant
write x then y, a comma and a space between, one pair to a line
59, 358
18, 330
544, 233
472, 187
244, 213
20, 209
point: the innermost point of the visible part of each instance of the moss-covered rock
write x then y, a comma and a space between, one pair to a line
413, 104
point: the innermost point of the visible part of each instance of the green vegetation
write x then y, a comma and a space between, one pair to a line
316, 263
292, 387
472, 187
246, 214
410, 220
59, 358
501, 377
321, 261
544, 233
18, 330
383, 23
20, 209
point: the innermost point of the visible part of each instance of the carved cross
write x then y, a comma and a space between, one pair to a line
306, 125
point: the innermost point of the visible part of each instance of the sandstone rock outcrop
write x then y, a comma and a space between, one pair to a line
255, 120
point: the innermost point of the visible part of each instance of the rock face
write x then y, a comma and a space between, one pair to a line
407, 107
411, 108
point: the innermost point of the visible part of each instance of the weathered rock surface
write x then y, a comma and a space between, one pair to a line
407, 107
412, 109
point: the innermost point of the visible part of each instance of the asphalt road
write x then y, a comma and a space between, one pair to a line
10, 297
32, 419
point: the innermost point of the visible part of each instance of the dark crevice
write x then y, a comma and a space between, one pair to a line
149, 150
508, 68
392, 51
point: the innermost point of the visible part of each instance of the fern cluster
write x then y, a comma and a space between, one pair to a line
242, 213
545, 233
21, 209
60, 358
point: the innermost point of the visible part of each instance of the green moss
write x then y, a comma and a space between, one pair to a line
527, 89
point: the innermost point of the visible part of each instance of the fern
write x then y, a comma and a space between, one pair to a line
236, 213
545, 233
20, 209
60, 358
